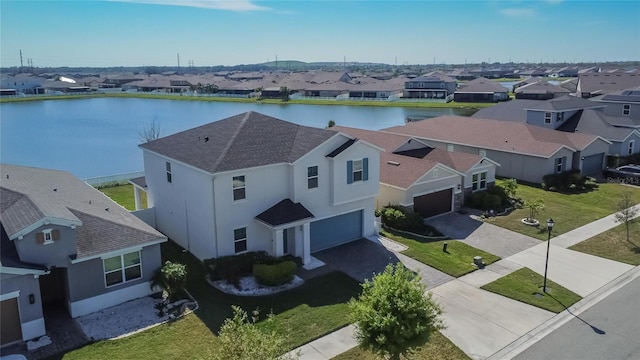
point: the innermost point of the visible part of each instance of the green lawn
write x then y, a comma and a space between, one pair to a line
123, 195
457, 261
525, 285
569, 211
304, 313
437, 347
612, 244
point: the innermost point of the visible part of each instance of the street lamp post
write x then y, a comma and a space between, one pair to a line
546, 264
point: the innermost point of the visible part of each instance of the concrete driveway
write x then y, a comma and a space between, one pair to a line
480, 322
363, 258
482, 235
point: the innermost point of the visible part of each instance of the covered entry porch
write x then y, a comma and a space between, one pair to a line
290, 226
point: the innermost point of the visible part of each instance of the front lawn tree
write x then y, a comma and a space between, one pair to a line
534, 206
172, 278
626, 212
241, 339
393, 312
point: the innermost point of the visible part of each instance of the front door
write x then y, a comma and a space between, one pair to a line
285, 242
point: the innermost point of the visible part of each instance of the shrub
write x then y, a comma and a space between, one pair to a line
399, 218
172, 277
510, 186
500, 192
490, 201
277, 274
571, 180
475, 200
393, 311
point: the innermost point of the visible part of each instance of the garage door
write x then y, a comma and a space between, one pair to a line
592, 164
433, 204
336, 230
10, 324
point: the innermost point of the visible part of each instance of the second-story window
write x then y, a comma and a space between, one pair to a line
547, 118
312, 177
357, 170
626, 109
631, 147
169, 177
560, 117
238, 188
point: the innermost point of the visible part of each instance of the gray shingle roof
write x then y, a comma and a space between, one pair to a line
516, 110
242, 141
34, 194
284, 212
596, 123
482, 85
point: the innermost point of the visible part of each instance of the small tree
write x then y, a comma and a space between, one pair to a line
510, 186
241, 339
393, 311
284, 93
151, 132
331, 123
626, 212
172, 277
534, 207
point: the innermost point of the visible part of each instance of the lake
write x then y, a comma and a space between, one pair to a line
99, 136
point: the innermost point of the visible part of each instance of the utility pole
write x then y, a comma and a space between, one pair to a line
21, 66
178, 60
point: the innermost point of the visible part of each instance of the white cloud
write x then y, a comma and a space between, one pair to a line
231, 5
518, 12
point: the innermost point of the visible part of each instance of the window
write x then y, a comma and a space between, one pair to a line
631, 146
547, 118
47, 236
122, 268
450, 147
479, 181
626, 109
357, 170
312, 177
168, 166
560, 117
238, 188
559, 165
240, 240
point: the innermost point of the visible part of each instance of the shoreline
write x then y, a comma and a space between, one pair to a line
372, 103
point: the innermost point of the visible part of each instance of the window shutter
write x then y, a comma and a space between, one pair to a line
365, 169
55, 234
40, 238
349, 172
564, 163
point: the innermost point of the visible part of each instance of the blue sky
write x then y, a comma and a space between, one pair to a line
212, 32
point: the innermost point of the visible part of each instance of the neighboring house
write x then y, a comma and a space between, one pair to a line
594, 84
433, 86
624, 103
22, 83
570, 114
429, 180
67, 244
525, 152
252, 182
540, 90
481, 90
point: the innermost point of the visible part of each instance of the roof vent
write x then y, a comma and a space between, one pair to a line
56, 189
394, 163
106, 209
7, 176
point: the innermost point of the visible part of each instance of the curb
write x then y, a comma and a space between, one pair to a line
539, 332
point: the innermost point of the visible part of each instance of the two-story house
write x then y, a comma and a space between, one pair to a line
66, 244
252, 182
432, 86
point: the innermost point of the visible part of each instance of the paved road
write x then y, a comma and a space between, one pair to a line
608, 330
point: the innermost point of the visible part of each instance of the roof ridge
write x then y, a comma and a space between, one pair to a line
231, 140
111, 221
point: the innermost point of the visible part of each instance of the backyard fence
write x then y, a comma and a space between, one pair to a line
113, 179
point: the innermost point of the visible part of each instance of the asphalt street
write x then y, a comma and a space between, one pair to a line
608, 330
